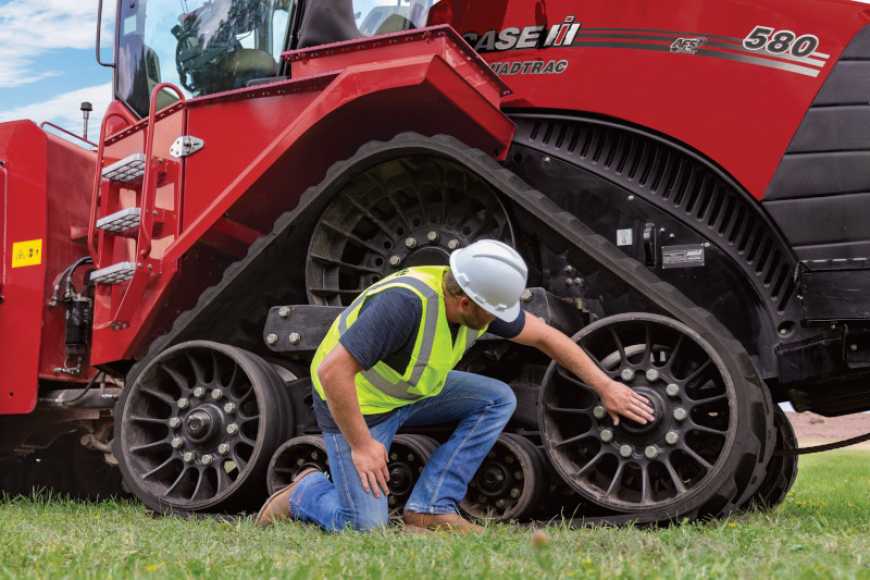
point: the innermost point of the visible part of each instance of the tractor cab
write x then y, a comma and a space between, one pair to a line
211, 46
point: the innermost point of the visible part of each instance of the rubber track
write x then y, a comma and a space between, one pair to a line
632, 273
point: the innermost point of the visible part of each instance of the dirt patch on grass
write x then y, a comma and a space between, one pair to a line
814, 429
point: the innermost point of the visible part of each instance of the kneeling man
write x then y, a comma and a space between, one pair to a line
388, 361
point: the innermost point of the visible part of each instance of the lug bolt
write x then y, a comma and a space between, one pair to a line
223, 448
271, 338
606, 435
176, 442
199, 392
217, 394
230, 408
411, 243
453, 244
569, 282
652, 375
680, 414
432, 237
672, 437
599, 412
627, 374
515, 492
232, 429
174, 423
284, 312
188, 457
294, 338
673, 390
395, 261
207, 459
651, 452
569, 269
626, 451
183, 403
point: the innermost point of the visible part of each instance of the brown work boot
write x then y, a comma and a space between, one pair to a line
277, 507
449, 522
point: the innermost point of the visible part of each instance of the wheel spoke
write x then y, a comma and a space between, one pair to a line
675, 477
149, 446
616, 479
384, 227
345, 265
571, 378
700, 460
647, 340
675, 351
148, 420
696, 373
572, 439
622, 358
247, 440
356, 240
223, 478
176, 377
198, 371
200, 478
645, 484
159, 395
590, 464
566, 411
148, 474
175, 483
703, 429
707, 400
216, 369
247, 419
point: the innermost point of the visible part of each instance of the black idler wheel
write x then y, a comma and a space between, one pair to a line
697, 456
407, 458
195, 430
404, 213
294, 456
510, 482
782, 470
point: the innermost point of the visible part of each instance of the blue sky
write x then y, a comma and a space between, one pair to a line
47, 63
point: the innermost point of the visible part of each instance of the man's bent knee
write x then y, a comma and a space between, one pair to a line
369, 521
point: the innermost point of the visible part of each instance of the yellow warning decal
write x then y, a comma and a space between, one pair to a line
27, 253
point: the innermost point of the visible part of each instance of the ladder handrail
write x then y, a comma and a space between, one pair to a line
146, 223
98, 183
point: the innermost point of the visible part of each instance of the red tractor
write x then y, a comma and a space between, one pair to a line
689, 186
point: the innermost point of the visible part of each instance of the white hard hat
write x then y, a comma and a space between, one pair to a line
493, 275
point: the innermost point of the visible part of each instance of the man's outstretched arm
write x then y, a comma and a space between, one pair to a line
617, 398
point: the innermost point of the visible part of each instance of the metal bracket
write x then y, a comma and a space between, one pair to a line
185, 146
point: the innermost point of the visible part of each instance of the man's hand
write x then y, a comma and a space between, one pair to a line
619, 399
370, 460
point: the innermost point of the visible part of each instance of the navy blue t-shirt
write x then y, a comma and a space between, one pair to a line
393, 316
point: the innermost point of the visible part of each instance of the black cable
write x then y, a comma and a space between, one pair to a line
825, 447
84, 393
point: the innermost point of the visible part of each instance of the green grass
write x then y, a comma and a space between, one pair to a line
822, 530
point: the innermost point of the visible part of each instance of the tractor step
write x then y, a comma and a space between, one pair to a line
128, 170
121, 221
114, 274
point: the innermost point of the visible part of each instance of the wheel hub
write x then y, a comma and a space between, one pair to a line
660, 407
203, 423
494, 480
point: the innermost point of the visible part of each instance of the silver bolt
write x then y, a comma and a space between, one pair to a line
606, 435
515, 492
432, 236
672, 437
630, 198
230, 408
652, 375
223, 448
294, 338
578, 281
627, 374
284, 312
217, 394
188, 457
651, 452
207, 459
599, 412
680, 414
411, 243
271, 338
569, 282
672, 389
395, 261
853, 347
626, 450
232, 429
526, 295
174, 423
183, 403
176, 442
199, 392
453, 244
569, 269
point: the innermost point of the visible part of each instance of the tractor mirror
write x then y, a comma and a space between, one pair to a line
99, 44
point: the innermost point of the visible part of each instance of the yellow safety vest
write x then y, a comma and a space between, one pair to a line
435, 353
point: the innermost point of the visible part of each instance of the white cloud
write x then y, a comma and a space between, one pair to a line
29, 29
64, 110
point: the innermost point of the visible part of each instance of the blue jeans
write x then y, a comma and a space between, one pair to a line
482, 407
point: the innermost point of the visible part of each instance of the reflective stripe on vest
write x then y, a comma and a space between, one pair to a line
430, 327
